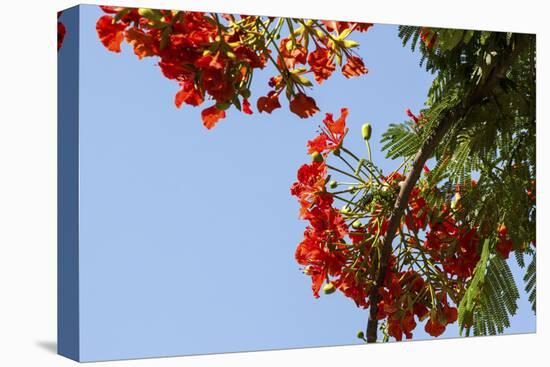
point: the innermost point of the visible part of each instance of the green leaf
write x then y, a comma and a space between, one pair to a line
468, 303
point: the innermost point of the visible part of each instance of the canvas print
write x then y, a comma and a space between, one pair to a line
233, 182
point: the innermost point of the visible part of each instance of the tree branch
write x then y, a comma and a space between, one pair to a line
451, 118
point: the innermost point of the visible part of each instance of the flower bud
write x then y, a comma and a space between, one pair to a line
333, 184
356, 224
329, 288
231, 55
361, 335
223, 105
245, 93
350, 43
345, 209
317, 157
366, 131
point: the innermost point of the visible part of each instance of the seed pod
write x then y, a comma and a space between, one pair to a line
317, 157
329, 288
366, 131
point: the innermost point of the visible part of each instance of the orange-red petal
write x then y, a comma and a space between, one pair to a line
110, 34
211, 116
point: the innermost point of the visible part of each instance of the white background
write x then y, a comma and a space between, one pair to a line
28, 182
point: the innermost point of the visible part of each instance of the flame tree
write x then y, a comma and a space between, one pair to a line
414, 244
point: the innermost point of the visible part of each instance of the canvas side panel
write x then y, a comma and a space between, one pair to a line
67, 187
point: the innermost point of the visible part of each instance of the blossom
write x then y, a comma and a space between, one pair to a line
434, 327
144, 44
321, 64
268, 103
303, 106
311, 181
188, 94
110, 33
354, 67
504, 244
211, 116
332, 133
297, 54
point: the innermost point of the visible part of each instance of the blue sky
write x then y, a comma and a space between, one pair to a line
187, 236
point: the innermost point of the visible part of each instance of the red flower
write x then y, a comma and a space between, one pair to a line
172, 69
248, 55
110, 34
504, 245
334, 25
211, 116
416, 119
311, 181
363, 27
145, 44
451, 314
434, 327
354, 67
327, 221
296, 55
188, 94
420, 311
269, 102
303, 106
321, 64
352, 288
332, 134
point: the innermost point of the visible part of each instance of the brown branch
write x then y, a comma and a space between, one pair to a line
452, 117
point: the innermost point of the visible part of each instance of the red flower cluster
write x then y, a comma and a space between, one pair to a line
213, 59
323, 250
441, 317
321, 61
454, 245
201, 56
448, 241
343, 254
401, 301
